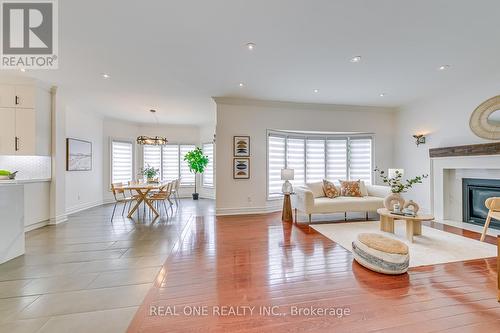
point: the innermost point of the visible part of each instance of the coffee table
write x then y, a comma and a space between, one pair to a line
413, 223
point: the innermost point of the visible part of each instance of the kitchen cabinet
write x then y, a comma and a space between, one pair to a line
25, 125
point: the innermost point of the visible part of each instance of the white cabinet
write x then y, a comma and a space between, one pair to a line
17, 131
25, 140
17, 96
7, 131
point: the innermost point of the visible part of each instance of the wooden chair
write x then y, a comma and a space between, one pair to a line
120, 197
493, 204
175, 191
163, 196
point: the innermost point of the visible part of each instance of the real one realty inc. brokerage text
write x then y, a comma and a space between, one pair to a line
247, 310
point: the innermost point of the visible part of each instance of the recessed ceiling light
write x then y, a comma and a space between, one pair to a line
443, 67
356, 59
250, 46
241, 84
105, 75
316, 91
382, 94
22, 70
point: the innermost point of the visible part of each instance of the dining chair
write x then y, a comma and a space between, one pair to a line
120, 197
175, 191
163, 195
493, 204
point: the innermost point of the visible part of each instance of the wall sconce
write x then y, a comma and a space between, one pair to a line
419, 139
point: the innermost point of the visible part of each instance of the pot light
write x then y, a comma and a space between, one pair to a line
316, 91
382, 94
444, 67
250, 46
105, 76
241, 84
356, 59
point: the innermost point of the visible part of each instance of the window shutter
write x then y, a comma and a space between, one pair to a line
360, 159
295, 150
315, 160
152, 157
187, 177
276, 161
121, 161
336, 164
208, 175
170, 162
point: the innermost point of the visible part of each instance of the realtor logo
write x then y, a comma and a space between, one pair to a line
29, 34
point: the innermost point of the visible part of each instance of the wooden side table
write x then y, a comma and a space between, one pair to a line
413, 223
286, 215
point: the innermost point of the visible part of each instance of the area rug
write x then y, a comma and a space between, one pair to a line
432, 247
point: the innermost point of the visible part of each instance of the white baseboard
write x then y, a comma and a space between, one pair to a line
36, 225
79, 208
247, 210
58, 219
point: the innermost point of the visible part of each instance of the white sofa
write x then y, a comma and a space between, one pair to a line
312, 201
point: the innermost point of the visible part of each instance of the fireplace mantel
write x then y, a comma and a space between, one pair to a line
467, 150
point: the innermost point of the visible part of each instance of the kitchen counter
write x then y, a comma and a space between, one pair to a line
11, 221
23, 181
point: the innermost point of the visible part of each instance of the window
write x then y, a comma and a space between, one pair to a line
169, 159
208, 175
121, 161
316, 157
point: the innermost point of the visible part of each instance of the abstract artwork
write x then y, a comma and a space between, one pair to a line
78, 155
241, 146
241, 168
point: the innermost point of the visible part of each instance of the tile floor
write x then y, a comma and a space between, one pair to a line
88, 274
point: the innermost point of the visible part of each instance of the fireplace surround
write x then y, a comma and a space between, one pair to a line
474, 194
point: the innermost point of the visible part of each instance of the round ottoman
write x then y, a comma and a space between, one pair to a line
381, 254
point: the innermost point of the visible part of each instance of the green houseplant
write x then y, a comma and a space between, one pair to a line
197, 163
150, 173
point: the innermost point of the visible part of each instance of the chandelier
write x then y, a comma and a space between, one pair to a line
152, 140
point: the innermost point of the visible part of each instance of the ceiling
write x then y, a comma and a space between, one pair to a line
174, 55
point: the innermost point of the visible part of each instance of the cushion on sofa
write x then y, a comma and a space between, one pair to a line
363, 188
331, 191
350, 188
317, 189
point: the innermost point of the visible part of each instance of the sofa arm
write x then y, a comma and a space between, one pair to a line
378, 191
303, 199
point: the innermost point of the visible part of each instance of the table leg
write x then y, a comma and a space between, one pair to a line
137, 204
286, 215
417, 228
387, 224
409, 230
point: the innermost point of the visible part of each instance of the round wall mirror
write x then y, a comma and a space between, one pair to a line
485, 120
494, 118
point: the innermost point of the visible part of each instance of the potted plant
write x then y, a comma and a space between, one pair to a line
398, 186
197, 163
150, 173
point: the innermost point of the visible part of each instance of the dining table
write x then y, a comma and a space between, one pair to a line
142, 190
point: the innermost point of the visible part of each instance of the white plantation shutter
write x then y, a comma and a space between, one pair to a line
276, 161
315, 160
360, 159
170, 161
208, 175
121, 161
295, 151
187, 177
152, 157
336, 164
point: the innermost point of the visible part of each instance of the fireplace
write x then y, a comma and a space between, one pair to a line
475, 192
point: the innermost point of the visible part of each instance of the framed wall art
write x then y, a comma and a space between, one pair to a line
241, 146
78, 155
241, 168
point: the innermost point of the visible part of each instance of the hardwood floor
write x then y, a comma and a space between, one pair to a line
258, 262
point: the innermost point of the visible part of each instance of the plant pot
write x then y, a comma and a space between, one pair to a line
195, 196
393, 198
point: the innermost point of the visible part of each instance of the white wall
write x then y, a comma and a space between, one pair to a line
207, 133
84, 188
445, 120
253, 118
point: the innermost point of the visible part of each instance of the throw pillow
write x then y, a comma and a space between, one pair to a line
362, 187
317, 189
350, 188
330, 189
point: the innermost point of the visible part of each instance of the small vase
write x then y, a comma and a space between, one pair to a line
413, 204
393, 198
151, 180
